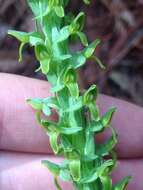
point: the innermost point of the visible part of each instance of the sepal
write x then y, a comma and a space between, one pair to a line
78, 23
122, 184
105, 148
21, 36
44, 105
75, 169
59, 11
102, 123
107, 117
70, 80
36, 103
96, 172
54, 168
90, 95
88, 52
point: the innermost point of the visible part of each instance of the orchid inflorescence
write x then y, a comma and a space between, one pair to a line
87, 164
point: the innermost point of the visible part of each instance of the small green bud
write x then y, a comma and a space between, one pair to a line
90, 95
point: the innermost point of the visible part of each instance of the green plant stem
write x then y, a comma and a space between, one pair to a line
77, 140
73, 135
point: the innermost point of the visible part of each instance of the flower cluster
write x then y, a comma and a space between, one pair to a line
73, 135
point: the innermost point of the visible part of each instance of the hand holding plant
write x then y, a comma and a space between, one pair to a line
88, 164
24, 144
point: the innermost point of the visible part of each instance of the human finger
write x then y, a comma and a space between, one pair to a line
20, 131
24, 171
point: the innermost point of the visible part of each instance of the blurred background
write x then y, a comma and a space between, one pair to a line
118, 23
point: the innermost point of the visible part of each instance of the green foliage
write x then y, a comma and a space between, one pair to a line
87, 1
122, 184
73, 135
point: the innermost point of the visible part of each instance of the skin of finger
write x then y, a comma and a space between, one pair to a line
18, 126
21, 171
24, 171
20, 132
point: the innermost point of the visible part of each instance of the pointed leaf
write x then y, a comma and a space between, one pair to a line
90, 95
21, 36
70, 80
59, 11
100, 124
88, 52
41, 52
106, 119
105, 148
54, 168
38, 117
79, 21
70, 76
54, 141
45, 65
75, 168
35, 103
122, 184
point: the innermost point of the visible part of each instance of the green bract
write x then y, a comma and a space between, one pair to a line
73, 135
